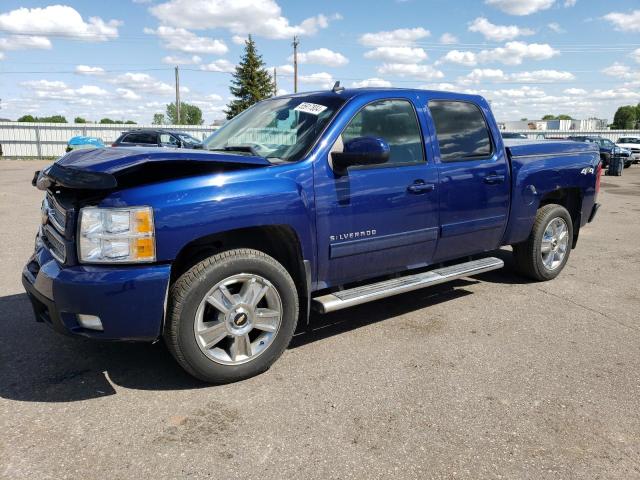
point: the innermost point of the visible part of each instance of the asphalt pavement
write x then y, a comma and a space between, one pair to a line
488, 377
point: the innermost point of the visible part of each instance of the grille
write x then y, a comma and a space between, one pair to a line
55, 243
56, 214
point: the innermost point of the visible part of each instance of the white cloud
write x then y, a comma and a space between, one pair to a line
448, 39
283, 69
555, 27
520, 7
625, 22
87, 70
259, 17
541, 76
144, 83
444, 87
372, 82
397, 54
221, 65
569, 3
24, 42
514, 53
424, 72
497, 33
616, 94
173, 60
521, 92
620, 71
636, 55
478, 75
1, 55
183, 40
394, 38
322, 56
468, 59
127, 94
49, 90
59, 20
320, 78
575, 91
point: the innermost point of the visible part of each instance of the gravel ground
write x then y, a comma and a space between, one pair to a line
490, 377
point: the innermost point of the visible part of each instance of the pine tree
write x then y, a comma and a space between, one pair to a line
251, 81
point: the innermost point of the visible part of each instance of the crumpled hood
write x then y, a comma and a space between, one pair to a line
114, 160
102, 168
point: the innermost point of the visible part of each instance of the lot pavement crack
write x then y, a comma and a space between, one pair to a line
577, 304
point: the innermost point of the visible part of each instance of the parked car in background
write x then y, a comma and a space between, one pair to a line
157, 138
514, 136
608, 149
76, 143
343, 201
633, 145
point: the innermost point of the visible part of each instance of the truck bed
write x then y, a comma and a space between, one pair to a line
537, 148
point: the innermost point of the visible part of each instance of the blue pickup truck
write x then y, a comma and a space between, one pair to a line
319, 200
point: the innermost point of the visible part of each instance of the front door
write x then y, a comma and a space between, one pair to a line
474, 180
382, 218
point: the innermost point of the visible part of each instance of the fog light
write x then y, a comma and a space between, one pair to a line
90, 321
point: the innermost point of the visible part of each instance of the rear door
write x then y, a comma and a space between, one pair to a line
473, 179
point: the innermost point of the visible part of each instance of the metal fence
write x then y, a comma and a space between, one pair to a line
46, 140
612, 135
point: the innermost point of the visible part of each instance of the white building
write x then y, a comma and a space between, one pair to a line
589, 124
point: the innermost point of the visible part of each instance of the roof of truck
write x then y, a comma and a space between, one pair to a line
384, 92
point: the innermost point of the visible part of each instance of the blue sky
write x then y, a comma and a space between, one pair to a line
116, 58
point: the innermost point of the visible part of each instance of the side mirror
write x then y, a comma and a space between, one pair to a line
197, 146
360, 151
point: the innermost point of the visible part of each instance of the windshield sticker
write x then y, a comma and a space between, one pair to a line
312, 108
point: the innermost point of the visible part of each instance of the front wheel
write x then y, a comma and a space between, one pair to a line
545, 253
231, 316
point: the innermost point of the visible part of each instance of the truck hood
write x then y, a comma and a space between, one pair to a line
107, 168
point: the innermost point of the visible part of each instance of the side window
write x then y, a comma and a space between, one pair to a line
461, 129
396, 123
167, 139
141, 137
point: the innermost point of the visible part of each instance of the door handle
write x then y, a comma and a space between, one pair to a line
493, 179
419, 186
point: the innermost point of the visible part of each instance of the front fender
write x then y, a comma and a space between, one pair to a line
191, 208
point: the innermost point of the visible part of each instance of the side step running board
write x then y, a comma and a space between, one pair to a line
375, 291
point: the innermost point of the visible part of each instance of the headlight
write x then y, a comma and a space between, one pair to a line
116, 235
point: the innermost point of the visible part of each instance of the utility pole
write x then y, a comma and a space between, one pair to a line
275, 82
177, 95
295, 63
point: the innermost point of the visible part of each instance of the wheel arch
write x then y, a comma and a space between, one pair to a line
278, 241
571, 199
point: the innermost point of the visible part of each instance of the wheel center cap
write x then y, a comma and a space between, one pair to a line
240, 320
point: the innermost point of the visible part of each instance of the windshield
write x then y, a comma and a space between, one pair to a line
281, 129
629, 140
606, 143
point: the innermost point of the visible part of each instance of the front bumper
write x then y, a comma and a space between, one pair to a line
129, 300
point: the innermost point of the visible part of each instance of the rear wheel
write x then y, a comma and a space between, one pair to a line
231, 316
545, 253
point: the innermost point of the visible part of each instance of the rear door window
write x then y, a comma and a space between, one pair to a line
461, 129
147, 138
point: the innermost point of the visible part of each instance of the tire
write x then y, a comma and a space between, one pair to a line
196, 316
528, 255
627, 164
